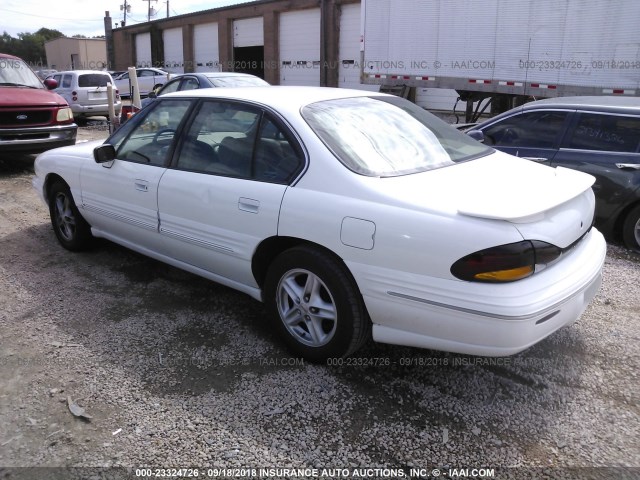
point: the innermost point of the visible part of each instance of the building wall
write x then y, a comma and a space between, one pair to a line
269, 10
76, 53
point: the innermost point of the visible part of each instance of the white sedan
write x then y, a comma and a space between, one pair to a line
148, 80
348, 213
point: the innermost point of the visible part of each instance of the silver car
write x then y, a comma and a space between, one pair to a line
86, 92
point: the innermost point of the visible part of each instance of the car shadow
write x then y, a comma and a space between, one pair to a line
176, 334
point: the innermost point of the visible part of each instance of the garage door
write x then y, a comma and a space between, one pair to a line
300, 47
205, 46
173, 56
349, 54
248, 32
143, 50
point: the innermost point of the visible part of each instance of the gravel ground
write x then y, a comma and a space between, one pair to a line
177, 371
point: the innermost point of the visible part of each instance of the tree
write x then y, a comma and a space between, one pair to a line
29, 46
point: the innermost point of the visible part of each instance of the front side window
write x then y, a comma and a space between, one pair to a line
380, 136
170, 87
540, 129
602, 132
189, 83
151, 140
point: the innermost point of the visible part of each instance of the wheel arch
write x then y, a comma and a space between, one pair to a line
49, 181
271, 247
619, 223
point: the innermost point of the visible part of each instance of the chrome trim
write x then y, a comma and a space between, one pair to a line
122, 218
630, 166
196, 241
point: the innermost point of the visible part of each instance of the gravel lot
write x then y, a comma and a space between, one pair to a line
177, 371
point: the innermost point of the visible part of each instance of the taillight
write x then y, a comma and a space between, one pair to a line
74, 96
506, 263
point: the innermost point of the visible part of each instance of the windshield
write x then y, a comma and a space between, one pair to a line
237, 81
388, 136
14, 72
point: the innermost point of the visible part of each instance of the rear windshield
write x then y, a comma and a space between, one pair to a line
388, 136
238, 81
93, 80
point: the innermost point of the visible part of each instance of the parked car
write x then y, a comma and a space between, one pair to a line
194, 81
596, 135
346, 212
86, 92
32, 118
148, 80
42, 74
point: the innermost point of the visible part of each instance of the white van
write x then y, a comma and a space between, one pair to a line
86, 92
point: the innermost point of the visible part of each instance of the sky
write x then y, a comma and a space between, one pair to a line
86, 17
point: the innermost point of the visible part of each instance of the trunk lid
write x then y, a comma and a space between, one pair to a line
555, 205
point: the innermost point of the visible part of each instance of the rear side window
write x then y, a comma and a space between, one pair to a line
93, 80
540, 129
66, 81
612, 133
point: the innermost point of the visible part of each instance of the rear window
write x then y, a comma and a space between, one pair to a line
388, 136
93, 80
238, 81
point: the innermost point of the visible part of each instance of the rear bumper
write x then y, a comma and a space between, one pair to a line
38, 139
90, 110
481, 319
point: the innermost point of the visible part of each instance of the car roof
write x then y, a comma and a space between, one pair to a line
601, 103
285, 97
81, 72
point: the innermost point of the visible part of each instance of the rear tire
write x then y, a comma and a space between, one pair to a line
631, 229
315, 305
71, 229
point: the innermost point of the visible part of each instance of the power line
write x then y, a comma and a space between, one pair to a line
48, 16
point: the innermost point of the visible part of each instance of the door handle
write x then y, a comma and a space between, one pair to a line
248, 205
628, 166
142, 185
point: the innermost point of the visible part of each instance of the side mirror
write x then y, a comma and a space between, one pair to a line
476, 135
104, 153
50, 83
152, 95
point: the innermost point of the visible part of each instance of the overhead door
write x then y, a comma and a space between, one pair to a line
173, 56
300, 47
205, 47
248, 46
248, 32
349, 53
143, 50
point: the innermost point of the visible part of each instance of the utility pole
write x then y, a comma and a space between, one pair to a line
126, 8
149, 10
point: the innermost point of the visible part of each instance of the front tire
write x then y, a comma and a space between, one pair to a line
71, 229
315, 305
631, 229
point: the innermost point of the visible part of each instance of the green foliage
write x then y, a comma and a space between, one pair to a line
29, 46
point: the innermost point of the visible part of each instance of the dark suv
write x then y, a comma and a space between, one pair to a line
32, 118
597, 135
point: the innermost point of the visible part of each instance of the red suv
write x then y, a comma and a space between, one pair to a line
32, 119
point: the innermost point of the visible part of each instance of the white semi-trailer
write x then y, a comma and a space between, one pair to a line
505, 49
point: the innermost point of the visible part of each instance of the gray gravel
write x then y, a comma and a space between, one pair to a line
177, 371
